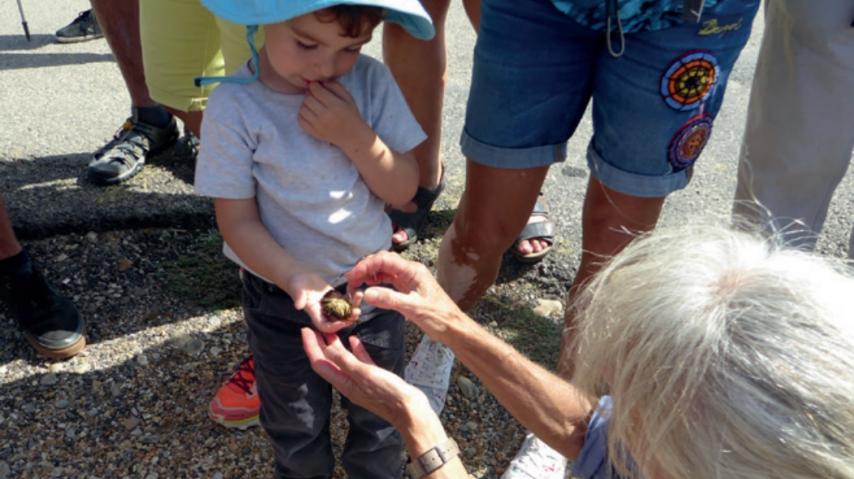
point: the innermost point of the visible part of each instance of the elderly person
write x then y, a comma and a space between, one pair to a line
710, 353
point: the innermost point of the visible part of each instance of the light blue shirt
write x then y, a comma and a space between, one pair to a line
593, 461
635, 15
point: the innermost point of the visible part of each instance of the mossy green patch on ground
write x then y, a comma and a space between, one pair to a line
201, 275
535, 336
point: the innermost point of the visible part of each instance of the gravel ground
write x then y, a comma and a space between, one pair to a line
165, 330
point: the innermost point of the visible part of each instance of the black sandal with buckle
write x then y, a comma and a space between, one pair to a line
411, 223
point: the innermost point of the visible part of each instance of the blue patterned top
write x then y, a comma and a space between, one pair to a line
635, 15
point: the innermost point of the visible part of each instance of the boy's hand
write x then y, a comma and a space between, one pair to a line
307, 289
329, 114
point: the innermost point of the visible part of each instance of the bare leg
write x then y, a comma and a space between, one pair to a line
120, 23
420, 68
9, 245
493, 209
610, 221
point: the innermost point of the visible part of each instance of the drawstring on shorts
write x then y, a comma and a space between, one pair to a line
613, 12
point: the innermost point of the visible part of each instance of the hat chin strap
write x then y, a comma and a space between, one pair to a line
256, 65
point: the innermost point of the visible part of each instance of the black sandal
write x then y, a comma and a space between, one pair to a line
412, 222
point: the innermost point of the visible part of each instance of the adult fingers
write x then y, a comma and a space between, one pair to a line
387, 298
382, 266
313, 345
359, 350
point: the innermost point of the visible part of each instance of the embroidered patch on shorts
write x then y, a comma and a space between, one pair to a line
689, 80
687, 144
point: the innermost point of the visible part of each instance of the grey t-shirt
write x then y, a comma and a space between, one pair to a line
310, 196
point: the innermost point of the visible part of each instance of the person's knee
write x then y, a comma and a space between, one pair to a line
486, 233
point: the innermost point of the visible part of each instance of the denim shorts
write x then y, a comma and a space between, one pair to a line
535, 70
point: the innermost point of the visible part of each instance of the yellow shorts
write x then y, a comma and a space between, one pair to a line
181, 40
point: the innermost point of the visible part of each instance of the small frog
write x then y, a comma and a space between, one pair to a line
336, 305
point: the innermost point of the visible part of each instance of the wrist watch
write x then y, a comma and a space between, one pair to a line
433, 459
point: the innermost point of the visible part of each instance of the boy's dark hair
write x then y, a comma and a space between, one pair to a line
354, 19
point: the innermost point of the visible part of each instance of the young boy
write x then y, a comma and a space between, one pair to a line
300, 164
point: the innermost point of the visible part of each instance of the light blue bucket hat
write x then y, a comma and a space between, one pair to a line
409, 14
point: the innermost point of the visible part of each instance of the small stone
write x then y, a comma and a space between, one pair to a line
92, 236
80, 366
549, 308
142, 359
124, 264
5, 470
62, 403
467, 387
62, 257
49, 379
115, 390
192, 345
217, 475
130, 423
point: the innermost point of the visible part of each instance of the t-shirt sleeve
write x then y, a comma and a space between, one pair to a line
593, 461
390, 116
224, 164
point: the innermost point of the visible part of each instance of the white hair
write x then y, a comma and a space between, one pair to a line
725, 355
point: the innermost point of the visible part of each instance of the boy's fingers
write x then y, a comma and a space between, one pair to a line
312, 104
318, 93
338, 90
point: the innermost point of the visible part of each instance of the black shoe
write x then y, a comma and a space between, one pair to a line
124, 156
84, 27
49, 320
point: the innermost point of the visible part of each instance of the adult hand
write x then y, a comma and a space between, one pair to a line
307, 289
329, 114
416, 294
357, 377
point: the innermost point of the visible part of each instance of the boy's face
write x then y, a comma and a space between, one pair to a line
307, 49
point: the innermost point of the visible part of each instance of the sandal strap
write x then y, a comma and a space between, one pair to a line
541, 230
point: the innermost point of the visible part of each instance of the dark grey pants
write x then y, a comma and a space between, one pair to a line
295, 402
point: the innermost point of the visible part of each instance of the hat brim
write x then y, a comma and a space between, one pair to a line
409, 14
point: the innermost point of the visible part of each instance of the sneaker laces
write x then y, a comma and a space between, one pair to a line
244, 377
82, 17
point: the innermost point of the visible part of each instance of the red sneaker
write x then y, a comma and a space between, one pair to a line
236, 403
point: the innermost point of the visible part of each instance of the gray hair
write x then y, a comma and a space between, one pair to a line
726, 356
